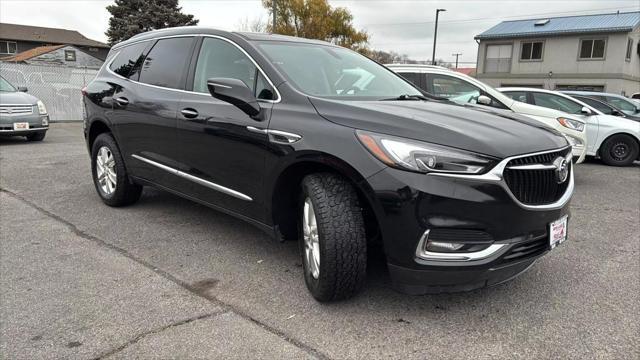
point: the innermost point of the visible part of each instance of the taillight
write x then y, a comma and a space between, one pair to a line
84, 91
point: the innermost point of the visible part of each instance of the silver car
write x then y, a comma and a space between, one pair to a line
21, 114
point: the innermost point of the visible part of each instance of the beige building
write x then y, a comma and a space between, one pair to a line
592, 52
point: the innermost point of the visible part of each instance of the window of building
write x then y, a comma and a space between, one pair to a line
166, 62
70, 55
8, 47
629, 49
592, 48
531, 51
220, 59
596, 88
129, 60
498, 58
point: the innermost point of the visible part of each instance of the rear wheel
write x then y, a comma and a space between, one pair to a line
333, 241
37, 136
619, 150
109, 174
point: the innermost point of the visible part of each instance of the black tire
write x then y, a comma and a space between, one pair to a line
126, 192
341, 237
37, 136
619, 150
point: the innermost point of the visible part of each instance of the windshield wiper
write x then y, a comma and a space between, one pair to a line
407, 97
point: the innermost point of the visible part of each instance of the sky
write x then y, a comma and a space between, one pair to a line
403, 26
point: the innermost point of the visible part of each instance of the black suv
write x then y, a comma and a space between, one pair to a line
313, 142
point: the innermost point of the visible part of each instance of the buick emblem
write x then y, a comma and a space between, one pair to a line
9, 111
562, 169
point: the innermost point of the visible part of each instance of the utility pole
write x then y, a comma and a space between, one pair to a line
435, 37
456, 55
273, 24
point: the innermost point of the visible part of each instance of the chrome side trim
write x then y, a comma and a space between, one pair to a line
277, 136
422, 253
254, 129
195, 179
108, 66
495, 176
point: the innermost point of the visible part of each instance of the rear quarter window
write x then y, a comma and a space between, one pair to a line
166, 63
129, 59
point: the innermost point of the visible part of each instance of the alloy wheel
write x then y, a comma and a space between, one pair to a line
106, 170
311, 239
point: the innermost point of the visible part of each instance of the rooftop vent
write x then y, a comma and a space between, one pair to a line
542, 22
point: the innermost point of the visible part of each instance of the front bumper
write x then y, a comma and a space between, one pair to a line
408, 204
37, 123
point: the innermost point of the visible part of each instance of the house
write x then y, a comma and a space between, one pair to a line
65, 55
590, 52
16, 39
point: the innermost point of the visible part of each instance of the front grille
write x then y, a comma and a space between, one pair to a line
16, 109
528, 249
536, 186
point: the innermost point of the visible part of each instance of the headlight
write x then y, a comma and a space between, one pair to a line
41, 108
571, 123
423, 157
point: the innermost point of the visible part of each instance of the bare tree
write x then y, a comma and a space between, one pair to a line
252, 25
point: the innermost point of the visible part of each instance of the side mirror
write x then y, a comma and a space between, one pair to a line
235, 92
484, 100
22, 89
586, 111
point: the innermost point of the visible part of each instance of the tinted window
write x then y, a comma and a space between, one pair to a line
166, 62
604, 108
221, 59
517, 95
413, 77
556, 102
128, 61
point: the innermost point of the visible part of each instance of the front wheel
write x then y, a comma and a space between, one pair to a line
619, 150
333, 241
37, 136
109, 174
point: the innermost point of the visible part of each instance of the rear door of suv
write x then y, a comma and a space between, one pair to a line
224, 148
145, 108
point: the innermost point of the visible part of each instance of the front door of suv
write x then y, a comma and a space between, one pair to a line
222, 146
146, 108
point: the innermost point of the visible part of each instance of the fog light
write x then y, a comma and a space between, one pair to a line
438, 246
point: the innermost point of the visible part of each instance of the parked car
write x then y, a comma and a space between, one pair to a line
627, 105
603, 107
21, 114
466, 90
614, 139
459, 198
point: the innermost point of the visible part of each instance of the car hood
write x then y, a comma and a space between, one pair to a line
17, 98
495, 133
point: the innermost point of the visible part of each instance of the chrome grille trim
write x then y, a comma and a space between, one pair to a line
10, 110
495, 175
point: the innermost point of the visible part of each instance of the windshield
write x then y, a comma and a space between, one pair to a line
333, 72
5, 86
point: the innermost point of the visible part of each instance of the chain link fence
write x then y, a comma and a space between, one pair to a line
58, 87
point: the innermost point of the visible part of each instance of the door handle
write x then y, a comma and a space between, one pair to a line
122, 101
189, 113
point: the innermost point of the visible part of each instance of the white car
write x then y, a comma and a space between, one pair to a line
616, 140
464, 89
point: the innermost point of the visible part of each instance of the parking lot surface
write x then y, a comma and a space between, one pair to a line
170, 278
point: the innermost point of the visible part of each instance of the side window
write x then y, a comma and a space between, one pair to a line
596, 104
413, 77
129, 60
517, 95
556, 102
220, 59
166, 62
621, 104
454, 89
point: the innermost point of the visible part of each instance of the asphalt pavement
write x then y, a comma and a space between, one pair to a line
168, 278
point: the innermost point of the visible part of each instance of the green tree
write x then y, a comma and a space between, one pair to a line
316, 19
131, 17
